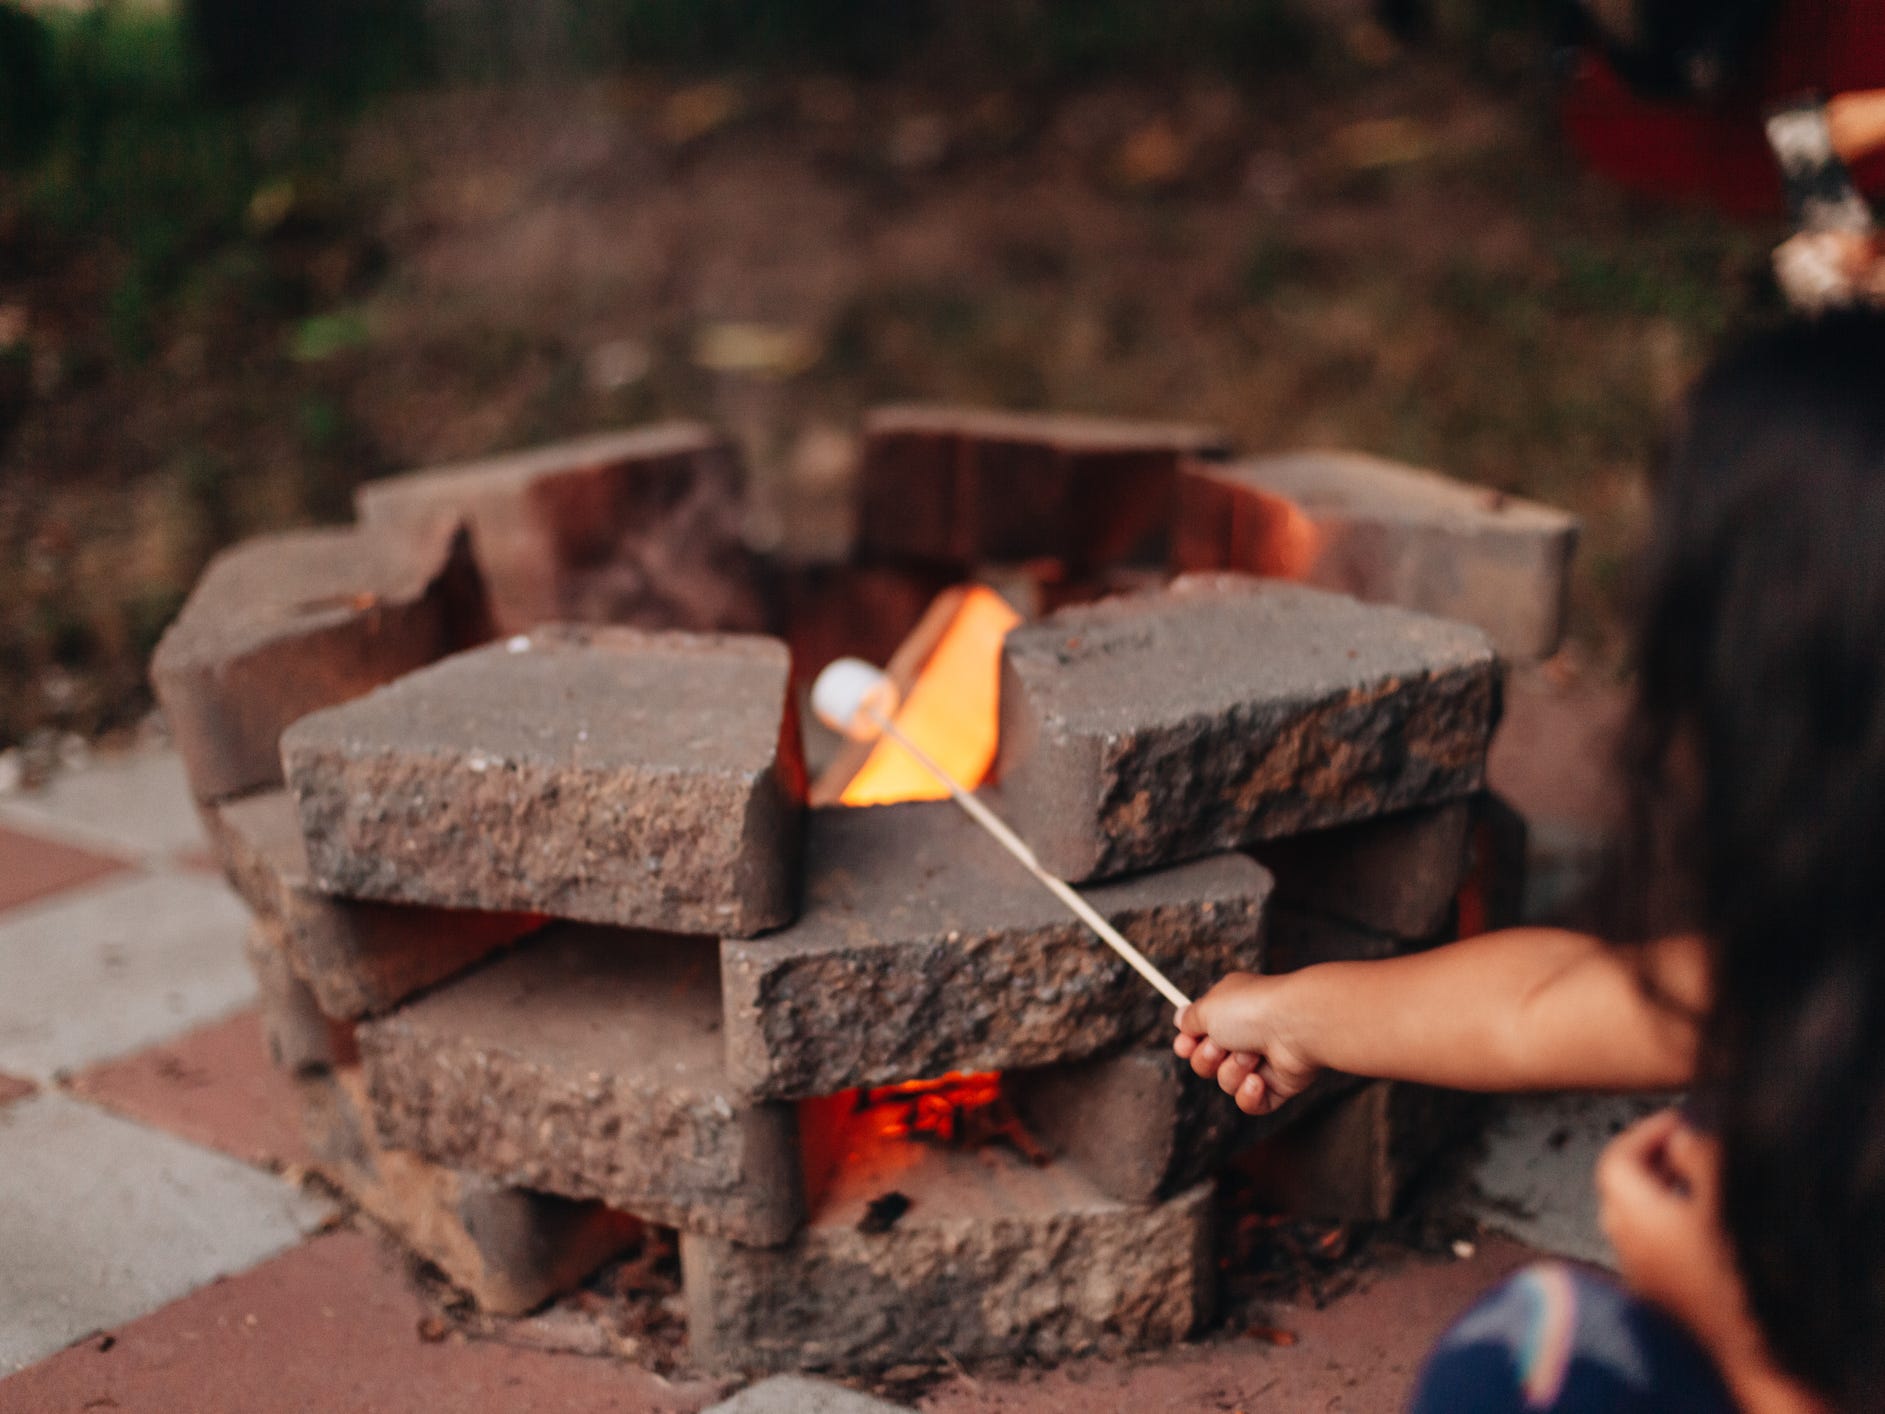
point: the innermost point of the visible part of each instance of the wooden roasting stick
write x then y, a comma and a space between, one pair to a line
851, 696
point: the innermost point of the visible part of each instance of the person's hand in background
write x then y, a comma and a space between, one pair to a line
1659, 1191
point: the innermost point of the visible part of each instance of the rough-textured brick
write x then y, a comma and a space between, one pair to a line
923, 948
508, 1248
1037, 588
1386, 533
639, 527
608, 775
1298, 939
282, 625
300, 1037
966, 486
1399, 874
1139, 1124
358, 958
1494, 894
852, 611
588, 1063
994, 1257
1351, 1160
1226, 711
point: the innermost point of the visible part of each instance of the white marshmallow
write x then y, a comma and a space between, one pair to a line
842, 692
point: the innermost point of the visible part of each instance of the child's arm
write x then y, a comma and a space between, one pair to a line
1528, 1009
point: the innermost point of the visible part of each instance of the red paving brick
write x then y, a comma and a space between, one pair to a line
335, 1325
213, 1086
32, 868
13, 1088
329, 1325
1357, 1356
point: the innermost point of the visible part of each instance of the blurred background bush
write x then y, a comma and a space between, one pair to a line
252, 253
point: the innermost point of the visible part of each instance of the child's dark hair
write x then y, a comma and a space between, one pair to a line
1760, 746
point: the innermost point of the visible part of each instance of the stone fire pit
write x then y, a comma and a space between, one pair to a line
513, 778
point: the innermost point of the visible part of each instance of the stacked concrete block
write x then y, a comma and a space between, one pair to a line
916, 1255
1495, 893
923, 949
640, 527
1353, 1158
508, 1248
588, 1063
1388, 534
1137, 1124
1398, 874
549, 937
1049, 509
1340, 743
1227, 711
603, 775
1298, 939
283, 625
355, 959
852, 611
301, 1038
1037, 588
964, 486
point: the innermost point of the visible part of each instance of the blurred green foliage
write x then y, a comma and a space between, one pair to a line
28, 102
143, 163
247, 48
158, 133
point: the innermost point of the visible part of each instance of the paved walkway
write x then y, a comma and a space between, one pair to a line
158, 1252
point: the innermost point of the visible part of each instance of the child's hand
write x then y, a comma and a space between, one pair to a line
1240, 1031
1659, 1184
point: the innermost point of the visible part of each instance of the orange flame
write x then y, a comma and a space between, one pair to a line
929, 1107
951, 711
1272, 535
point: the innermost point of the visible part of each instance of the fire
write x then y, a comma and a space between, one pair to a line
955, 1111
951, 711
932, 1108
1226, 526
1276, 536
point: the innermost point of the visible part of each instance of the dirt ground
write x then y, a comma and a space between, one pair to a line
1392, 253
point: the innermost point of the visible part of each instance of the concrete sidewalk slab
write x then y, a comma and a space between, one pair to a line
33, 868
800, 1394
136, 805
1536, 1180
331, 1325
117, 966
102, 1220
214, 1086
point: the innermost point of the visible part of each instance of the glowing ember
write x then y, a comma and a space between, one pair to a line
1280, 537
950, 711
957, 1111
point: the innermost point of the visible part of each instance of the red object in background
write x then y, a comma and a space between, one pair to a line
1715, 151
